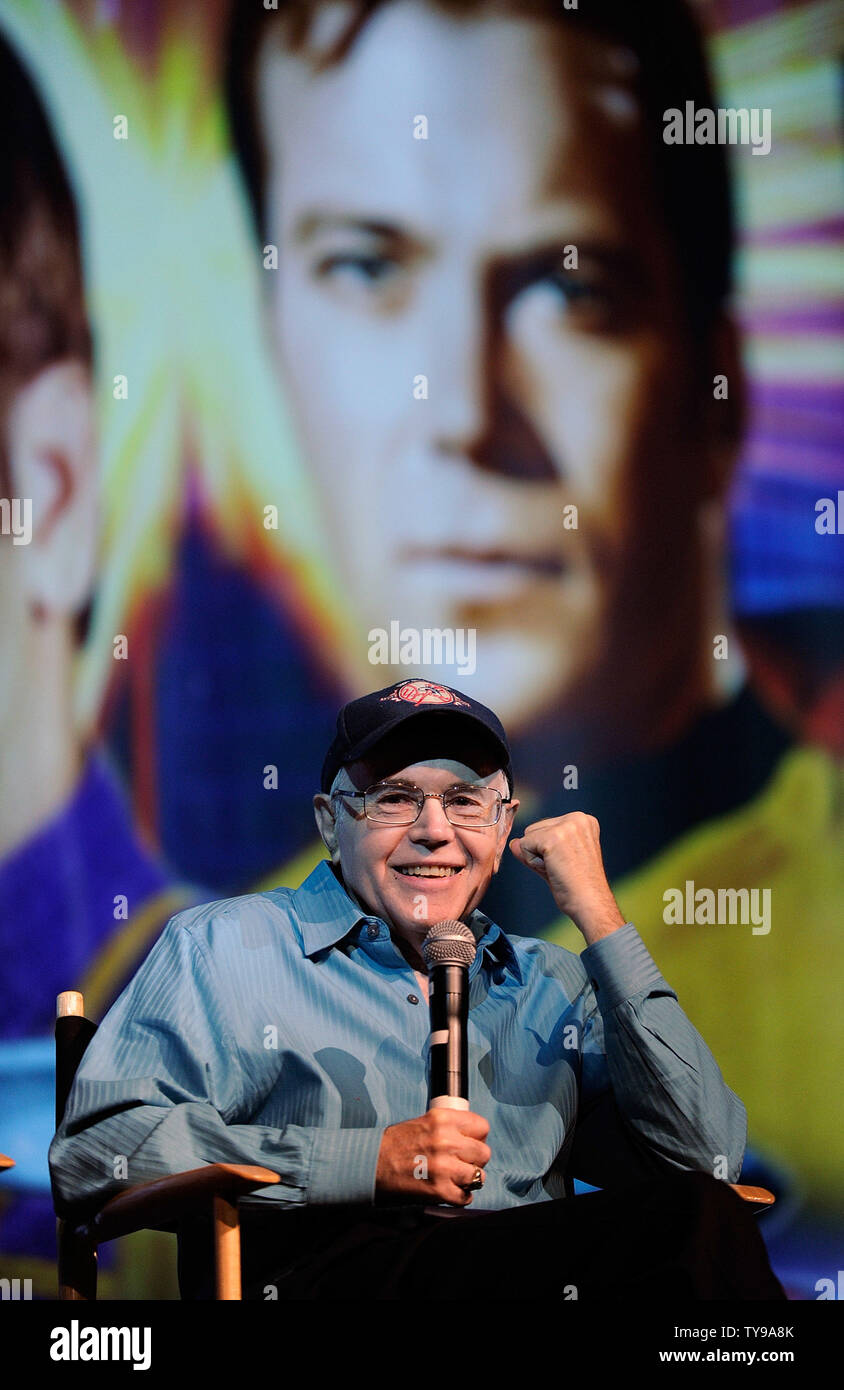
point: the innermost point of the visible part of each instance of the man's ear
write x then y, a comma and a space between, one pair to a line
509, 815
52, 454
324, 816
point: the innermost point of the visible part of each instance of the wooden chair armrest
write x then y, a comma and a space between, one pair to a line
760, 1196
164, 1201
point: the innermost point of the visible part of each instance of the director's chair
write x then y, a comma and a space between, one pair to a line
163, 1203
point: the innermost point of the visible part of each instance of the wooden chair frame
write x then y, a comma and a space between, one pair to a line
157, 1205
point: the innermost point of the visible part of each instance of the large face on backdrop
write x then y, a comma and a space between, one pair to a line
548, 386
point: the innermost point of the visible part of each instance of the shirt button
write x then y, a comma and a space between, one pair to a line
372, 931
413, 999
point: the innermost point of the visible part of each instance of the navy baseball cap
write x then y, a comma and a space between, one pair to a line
442, 717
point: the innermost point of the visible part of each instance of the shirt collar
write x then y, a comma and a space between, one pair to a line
327, 914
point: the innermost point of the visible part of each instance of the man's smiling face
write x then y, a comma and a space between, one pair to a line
374, 859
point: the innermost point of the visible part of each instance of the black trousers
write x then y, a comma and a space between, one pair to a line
685, 1236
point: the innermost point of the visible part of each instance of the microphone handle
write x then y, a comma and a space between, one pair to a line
448, 995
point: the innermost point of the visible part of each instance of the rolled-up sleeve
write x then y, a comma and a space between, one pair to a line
161, 1088
652, 1095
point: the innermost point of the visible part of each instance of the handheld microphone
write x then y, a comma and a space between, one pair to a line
448, 951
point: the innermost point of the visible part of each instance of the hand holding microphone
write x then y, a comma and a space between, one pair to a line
433, 1158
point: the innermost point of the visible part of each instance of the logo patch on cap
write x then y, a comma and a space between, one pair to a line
419, 692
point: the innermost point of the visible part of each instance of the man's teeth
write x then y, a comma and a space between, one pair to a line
428, 871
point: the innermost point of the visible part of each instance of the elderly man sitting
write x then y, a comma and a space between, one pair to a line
289, 1029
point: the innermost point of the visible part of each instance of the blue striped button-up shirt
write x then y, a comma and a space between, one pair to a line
285, 1029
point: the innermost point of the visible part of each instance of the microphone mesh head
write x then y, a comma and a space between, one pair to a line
449, 943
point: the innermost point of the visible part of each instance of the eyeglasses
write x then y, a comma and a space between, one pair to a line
391, 804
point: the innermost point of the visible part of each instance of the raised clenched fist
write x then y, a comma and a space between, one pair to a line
566, 852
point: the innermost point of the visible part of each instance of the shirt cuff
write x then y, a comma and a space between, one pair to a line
620, 965
344, 1164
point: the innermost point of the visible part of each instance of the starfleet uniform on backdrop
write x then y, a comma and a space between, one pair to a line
768, 1004
285, 1029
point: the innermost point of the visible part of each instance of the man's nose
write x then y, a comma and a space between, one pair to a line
432, 822
472, 414
459, 383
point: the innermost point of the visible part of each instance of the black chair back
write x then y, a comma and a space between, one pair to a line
73, 1034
